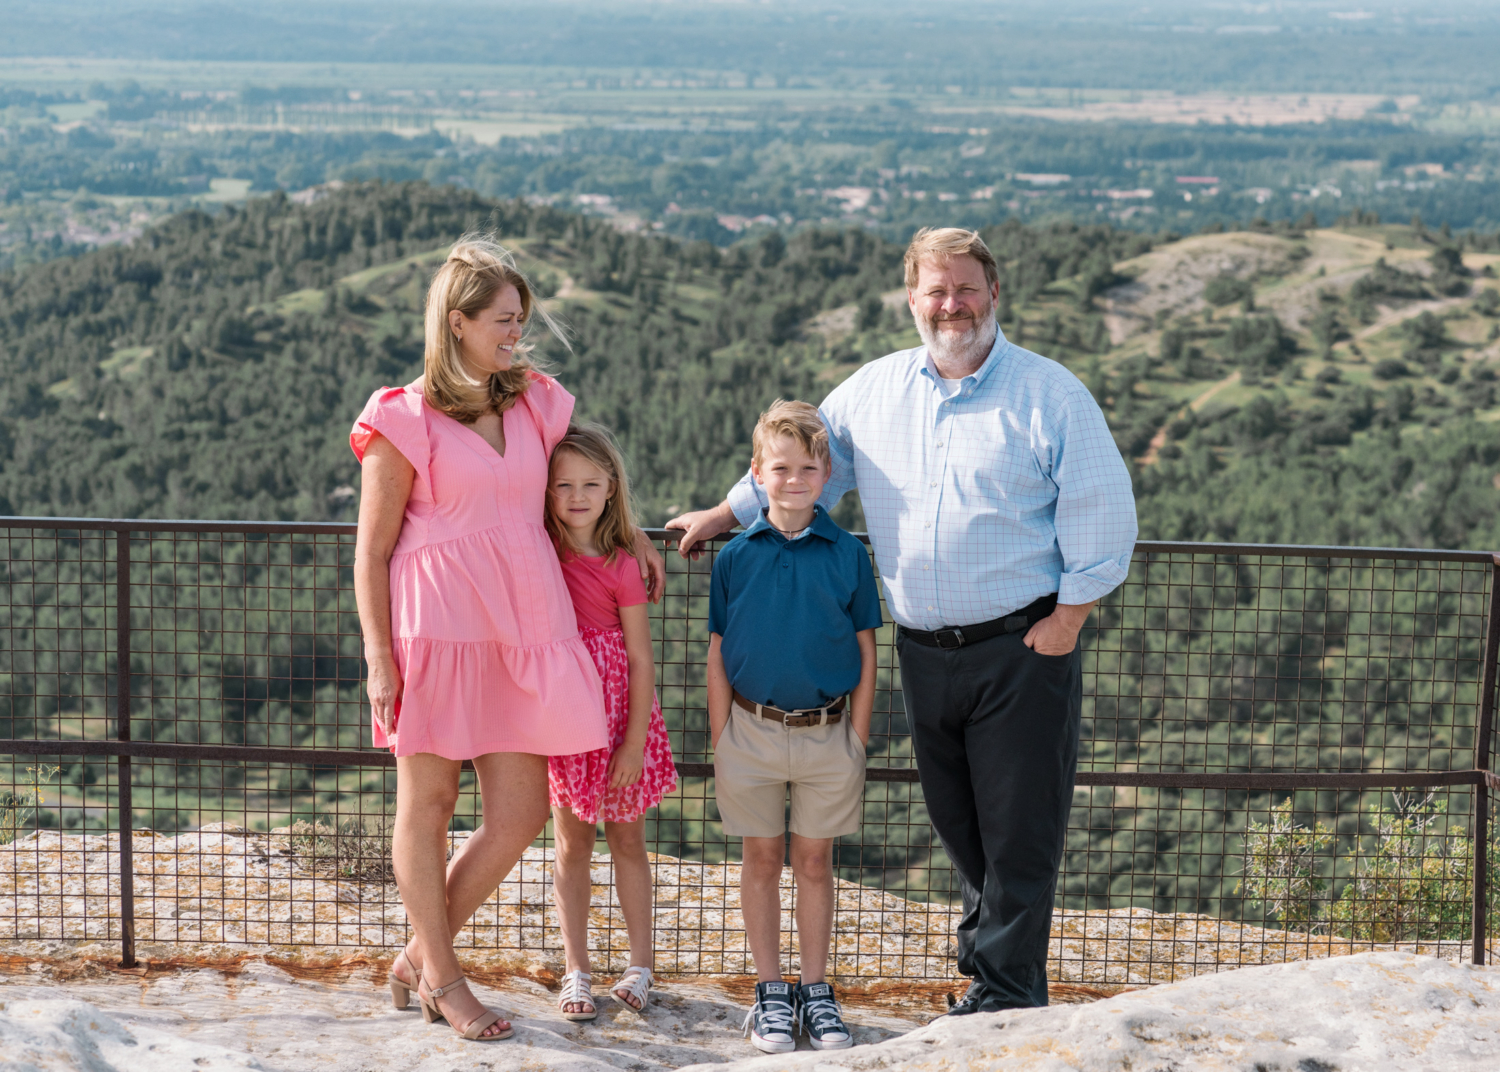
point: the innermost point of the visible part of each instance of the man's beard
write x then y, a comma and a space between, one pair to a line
962, 347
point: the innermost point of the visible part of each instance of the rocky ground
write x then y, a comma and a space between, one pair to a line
253, 955
1371, 1012
1368, 1013
338, 1017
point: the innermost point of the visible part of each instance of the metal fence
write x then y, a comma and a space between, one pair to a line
1287, 753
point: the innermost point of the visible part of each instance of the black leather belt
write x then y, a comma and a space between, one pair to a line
1018, 622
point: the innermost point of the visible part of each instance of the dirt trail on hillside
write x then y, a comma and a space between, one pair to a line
1392, 317
1159, 440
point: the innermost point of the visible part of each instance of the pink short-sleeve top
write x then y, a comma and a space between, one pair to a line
600, 587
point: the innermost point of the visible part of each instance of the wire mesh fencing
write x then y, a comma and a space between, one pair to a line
1285, 754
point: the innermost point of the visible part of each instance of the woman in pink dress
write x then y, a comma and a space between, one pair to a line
470, 636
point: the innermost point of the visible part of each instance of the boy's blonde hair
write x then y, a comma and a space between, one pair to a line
799, 420
942, 244
616, 529
477, 269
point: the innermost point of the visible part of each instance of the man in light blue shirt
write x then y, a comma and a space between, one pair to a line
999, 512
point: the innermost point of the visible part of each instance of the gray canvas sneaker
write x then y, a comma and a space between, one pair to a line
819, 1014
771, 1020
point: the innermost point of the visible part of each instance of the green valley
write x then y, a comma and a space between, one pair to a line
1329, 384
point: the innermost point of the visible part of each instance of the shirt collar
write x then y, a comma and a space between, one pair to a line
822, 525
974, 379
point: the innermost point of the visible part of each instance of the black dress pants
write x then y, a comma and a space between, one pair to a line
995, 728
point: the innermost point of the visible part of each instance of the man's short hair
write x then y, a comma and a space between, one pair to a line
942, 244
796, 419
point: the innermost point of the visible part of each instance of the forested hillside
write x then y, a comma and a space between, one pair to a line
1281, 385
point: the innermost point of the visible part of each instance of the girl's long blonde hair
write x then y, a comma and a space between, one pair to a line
616, 529
477, 268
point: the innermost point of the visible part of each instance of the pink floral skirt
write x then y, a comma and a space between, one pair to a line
580, 781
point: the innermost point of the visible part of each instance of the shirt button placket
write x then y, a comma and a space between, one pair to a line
940, 462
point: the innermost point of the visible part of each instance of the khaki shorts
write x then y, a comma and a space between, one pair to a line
758, 759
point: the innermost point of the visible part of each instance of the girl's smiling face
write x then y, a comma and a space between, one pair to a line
577, 496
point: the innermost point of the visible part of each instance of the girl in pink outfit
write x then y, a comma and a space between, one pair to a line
590, 517
470, 636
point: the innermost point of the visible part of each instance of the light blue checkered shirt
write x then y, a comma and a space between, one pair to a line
980, 502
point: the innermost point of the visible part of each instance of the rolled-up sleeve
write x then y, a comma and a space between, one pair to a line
1095, 519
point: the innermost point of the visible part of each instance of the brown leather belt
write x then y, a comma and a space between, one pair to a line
827, 715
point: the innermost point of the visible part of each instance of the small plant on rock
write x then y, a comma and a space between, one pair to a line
356, 848
17, 808
1281, 866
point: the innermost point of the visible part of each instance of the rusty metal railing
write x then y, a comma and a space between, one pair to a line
163, 677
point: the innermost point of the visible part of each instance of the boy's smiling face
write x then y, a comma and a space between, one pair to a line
793, 480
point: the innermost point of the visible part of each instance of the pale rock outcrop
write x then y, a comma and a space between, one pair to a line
1374, 1012
60, 1035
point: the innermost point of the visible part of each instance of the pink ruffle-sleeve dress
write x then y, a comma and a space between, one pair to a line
482, 624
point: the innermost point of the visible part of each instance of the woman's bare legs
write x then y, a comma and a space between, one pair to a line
513, 787
634, 887
572, 887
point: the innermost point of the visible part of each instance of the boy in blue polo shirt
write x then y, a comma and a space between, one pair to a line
792, 616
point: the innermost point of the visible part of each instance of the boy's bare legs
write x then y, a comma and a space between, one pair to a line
633, 886
760, 902
812, 866
573, 888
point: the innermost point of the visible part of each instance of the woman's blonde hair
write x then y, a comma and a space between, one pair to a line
477, 268
616, 529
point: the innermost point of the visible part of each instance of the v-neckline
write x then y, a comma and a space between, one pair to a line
489, 448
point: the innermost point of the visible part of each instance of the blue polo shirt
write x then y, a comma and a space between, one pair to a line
788, 611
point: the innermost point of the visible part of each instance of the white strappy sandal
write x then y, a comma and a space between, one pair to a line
577, 989
635, 983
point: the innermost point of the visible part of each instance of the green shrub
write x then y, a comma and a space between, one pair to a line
1415, 885
16, 809
1259, 345
1226, 290
1281, 866
1418, 885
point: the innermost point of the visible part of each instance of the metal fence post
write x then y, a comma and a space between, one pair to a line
122, 732
1482, 734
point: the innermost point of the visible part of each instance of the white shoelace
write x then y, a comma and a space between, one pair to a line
778, 1018
824, 1014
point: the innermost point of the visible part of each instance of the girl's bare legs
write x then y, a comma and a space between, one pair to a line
572, 886
513, 787
633, 886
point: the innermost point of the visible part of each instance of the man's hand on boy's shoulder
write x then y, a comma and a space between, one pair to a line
700, 525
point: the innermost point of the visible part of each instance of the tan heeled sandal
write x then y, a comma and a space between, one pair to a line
475, 1029
400, 988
